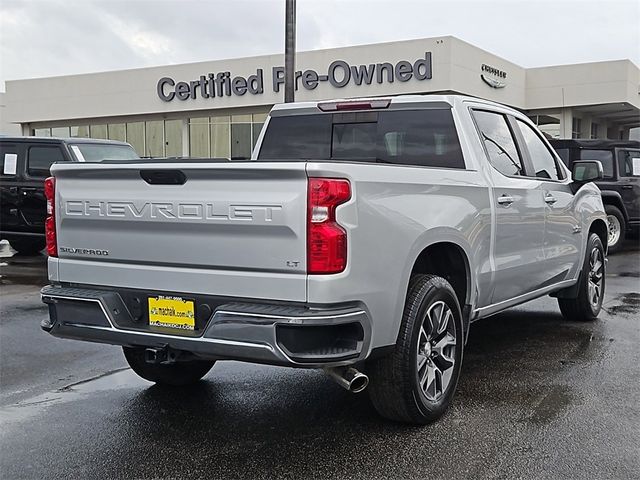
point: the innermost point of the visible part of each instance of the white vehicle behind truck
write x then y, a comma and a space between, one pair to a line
363, 237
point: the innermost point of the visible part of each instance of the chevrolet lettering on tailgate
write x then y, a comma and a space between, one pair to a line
178, 211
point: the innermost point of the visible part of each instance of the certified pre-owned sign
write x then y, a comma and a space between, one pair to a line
339, 74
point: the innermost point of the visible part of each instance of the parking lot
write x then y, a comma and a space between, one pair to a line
539, 397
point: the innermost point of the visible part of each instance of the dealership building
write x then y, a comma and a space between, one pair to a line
217, 108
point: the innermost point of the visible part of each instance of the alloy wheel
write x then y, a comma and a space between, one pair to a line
614, 229
436, 351
596, 276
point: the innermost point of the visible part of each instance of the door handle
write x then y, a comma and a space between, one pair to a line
627, 187
505, 200
550, 199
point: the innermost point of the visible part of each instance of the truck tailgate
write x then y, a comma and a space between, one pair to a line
216, 228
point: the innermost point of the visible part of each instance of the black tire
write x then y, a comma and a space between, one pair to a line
395, 388
173, 374
615, 243
582, 308
27, 246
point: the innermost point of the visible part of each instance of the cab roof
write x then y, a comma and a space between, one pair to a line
394, 102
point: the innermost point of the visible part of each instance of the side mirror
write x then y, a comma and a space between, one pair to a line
587, 171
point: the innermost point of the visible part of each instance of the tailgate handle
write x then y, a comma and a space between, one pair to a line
163, 177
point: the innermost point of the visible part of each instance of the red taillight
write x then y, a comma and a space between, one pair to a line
326, 239
50, 222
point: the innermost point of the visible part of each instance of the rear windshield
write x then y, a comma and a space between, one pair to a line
96, 152
407, 137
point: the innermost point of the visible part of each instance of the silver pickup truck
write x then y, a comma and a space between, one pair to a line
362, 237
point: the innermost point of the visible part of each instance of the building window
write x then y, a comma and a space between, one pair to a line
594, 130
241, 136
80, 131
42, 132
199, 137
98, 131
62, 132
221, 136
576, 127
135, 136
225, 136
117, 131
173, 138
154, 139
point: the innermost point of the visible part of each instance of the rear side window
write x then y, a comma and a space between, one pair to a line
409, 137
544, 163
604, 156
499, 142
9, 159
629, 163
40, 158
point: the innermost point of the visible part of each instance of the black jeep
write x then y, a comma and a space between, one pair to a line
24, 164
621, 183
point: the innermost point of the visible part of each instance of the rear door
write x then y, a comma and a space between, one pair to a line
519, 211
629, 179
11, 165
32, 203
562, 238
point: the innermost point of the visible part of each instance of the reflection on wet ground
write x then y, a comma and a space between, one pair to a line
18, 269
539, 397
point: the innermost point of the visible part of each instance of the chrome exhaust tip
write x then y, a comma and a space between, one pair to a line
348, 378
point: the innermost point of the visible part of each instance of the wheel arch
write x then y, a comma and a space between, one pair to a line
599, 227
610, 197
449, 261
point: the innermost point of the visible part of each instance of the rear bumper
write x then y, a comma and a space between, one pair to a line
289, 335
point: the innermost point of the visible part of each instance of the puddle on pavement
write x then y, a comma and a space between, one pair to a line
629, 303
628, 274
552, 405
120, 379
23, 280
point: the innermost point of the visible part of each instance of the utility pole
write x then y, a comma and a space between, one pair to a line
289, 50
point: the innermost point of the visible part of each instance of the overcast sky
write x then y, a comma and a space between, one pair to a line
41, 38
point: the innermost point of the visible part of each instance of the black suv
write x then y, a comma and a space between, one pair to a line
24, 164
621, 183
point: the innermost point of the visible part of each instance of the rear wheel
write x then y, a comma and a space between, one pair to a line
416, 383
174, 374
617, 228
27, 246
586, 306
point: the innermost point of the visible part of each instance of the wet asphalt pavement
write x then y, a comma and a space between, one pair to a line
539, 397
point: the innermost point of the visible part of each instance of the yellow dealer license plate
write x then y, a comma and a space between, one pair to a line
172, 312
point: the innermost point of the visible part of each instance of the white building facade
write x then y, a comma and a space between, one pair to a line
217, 108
